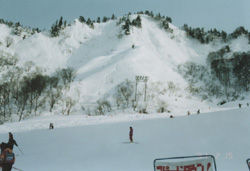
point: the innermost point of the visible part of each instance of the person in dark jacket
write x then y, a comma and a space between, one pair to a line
3, 145
11, 141
131, 134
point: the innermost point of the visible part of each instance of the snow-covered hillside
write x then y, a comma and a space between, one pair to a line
103, 57
99, 143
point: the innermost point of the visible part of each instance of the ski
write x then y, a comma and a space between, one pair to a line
130, 142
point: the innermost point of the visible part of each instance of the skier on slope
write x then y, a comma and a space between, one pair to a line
10, 143
131, 134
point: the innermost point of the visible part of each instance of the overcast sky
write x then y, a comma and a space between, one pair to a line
221, 14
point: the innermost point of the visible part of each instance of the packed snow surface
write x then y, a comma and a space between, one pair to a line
98, 143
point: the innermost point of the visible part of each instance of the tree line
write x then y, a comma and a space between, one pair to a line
225, 76
199, 34
18, 29
206, 37
123, 98
26, 91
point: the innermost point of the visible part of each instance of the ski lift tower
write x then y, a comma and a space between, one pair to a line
141, 79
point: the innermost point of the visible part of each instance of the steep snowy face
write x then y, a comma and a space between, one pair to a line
109, 57
52, 53
42, 50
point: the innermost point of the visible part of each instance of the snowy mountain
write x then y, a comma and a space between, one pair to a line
103, 57
90, 70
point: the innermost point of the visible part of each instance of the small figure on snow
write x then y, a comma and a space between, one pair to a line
171, 116
198, 112
240, 105
188, 113
131, 134
51, 126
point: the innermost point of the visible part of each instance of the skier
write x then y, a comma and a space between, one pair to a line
188, 113
7, 159
198, 112
240, 105
51, 126
11, 141
131, 134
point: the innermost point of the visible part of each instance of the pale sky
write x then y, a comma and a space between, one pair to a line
220, 14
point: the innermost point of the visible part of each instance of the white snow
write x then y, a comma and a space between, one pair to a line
102, 60
99, 142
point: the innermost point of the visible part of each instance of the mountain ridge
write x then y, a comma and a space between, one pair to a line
104, 57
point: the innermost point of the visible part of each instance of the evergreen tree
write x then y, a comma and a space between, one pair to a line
88, 22
137, 22
60, 22
105, 19
57, 27
239, 31
224, 36
165, 25
168, 19
98, 20
113, 17
55, 30
158, 16
17, 29
82, 19
126, 27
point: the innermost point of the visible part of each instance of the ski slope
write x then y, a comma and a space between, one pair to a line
98, 143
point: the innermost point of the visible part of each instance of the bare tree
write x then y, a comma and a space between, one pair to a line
125, 90
9, 41
67, 75
103, 106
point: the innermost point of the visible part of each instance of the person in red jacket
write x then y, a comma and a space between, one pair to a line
131, 134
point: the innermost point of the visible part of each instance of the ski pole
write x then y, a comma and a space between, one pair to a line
17, 168
20, 150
